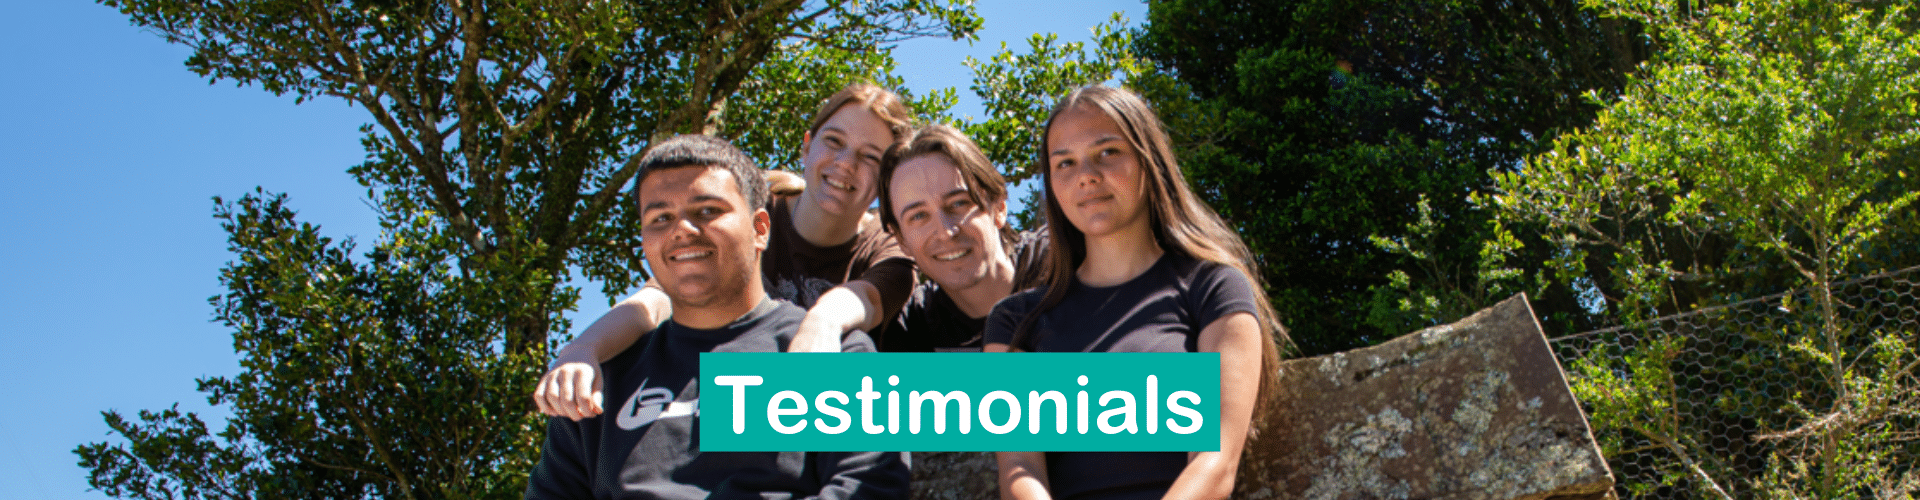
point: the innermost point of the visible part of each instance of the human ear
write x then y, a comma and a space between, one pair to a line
762, 228
998, 210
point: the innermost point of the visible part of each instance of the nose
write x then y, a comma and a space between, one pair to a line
951, 223
846, 159
1086, 175
684, 228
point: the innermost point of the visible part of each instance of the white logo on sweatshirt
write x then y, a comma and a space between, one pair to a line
649, 404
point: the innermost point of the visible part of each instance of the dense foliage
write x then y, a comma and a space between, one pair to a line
1393, 163
1768, 147
502, 142
1320, 127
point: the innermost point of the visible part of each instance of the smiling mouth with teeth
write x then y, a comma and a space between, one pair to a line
689, 255
837, 185
955, 255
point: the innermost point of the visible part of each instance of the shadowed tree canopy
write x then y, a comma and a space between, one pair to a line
1315, 125
500, 149
517, 122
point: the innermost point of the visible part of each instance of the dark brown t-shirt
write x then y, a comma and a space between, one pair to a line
799, 272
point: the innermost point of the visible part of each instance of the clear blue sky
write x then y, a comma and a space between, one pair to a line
112, 152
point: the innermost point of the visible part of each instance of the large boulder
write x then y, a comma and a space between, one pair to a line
1475, 409
1478, 409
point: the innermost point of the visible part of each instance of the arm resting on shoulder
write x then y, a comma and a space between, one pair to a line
784, 183
572, 388
848, 307
1210, 474
865, 303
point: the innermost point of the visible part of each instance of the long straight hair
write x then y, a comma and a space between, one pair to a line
1181, 223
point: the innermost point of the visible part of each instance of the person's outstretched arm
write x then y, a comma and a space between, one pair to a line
854, 305
572, 388
862, 304
881, 475
1023, 474
1210, 474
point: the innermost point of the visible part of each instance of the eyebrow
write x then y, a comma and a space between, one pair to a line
873, 147
1102, 140
696, 199
918, 204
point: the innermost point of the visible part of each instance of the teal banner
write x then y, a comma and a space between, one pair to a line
959, 402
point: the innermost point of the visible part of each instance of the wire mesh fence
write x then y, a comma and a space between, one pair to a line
1772, 397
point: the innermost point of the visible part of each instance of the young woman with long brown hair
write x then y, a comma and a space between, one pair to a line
1138, 264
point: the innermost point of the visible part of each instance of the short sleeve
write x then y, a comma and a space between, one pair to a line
1006, 318
1219, 290
907, 334
894, 279
880, 262
856, 341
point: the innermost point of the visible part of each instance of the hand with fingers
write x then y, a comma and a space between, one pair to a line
571, 389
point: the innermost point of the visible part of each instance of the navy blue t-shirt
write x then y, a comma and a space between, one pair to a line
1163, 309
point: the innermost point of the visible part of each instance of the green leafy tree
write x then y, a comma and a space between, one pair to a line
1766, 148
377, 376
499, 152
1318, 127
1018, 91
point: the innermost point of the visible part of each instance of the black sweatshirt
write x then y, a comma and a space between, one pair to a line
648, 446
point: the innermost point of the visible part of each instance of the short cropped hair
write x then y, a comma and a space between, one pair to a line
695, 150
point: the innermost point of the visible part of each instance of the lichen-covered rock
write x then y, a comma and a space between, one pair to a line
1475, 409
1478, 409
